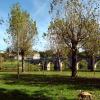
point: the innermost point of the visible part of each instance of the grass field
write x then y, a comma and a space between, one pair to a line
48, 85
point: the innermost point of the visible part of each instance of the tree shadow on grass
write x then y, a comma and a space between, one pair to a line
53, 79
19, 95
77, 83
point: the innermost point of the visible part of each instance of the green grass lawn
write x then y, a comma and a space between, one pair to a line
48, 85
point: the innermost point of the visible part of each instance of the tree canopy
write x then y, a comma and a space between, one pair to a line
74, 21
22, 30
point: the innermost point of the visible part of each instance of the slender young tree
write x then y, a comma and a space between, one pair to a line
22, 30
73, 22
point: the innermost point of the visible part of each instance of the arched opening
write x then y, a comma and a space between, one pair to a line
82, 65
97, 65
50, 65
65, 65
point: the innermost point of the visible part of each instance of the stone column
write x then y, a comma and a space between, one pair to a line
48, 66
61, 65
77, 65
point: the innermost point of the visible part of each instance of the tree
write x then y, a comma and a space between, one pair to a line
22, 30
92, 47
72, 23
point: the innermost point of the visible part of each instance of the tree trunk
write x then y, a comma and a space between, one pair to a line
57, 64
93, 62
56, 61
22, 63
91, 65
22, 54
45, 65
74, 59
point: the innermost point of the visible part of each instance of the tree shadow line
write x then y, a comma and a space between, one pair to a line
35, 79
20, 95
77, 83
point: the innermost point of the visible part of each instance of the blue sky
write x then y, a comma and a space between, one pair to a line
38, 9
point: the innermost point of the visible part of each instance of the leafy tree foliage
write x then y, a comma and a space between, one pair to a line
74, 21
22, 30
92, 45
